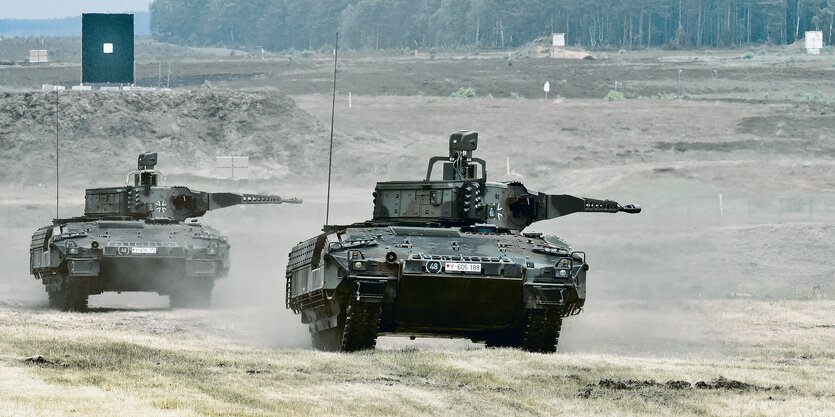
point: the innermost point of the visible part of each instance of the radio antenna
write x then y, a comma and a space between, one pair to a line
333, 111
57, 174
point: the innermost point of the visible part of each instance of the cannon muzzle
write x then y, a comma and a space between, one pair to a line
631, 208
564, 204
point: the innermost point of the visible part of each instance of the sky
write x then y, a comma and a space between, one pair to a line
50, 9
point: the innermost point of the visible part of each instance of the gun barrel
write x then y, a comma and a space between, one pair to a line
564, 204
221, 200
269, 199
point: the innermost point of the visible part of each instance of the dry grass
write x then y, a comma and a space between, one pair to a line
171, 363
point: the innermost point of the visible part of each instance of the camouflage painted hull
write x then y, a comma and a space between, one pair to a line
479, 284
75, 258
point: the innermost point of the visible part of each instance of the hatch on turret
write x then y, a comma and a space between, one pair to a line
105, 201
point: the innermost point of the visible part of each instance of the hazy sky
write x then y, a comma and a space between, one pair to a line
48, 9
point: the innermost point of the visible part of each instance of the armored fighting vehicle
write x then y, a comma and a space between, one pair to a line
136, 238
444, 258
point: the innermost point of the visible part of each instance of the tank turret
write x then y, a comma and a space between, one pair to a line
464, 197
143, 198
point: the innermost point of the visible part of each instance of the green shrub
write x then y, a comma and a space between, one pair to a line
614, 95
466, 92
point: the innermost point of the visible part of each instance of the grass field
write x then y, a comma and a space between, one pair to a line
177, 363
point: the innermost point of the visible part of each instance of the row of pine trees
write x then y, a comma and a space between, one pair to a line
420, 24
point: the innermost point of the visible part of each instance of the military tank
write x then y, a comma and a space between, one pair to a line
444, 258
136, 238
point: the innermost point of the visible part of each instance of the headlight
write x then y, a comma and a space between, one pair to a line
211, 251
72, 248
357, 261
563, 273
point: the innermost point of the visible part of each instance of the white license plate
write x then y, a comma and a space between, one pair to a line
139, 251
461, 267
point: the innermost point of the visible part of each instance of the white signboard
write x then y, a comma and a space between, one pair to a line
38, 55
558, 40
235, 167
814, 41
546, 87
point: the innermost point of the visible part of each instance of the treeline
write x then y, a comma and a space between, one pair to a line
381, 24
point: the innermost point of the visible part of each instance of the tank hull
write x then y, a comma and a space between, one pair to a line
75, 258
432, 281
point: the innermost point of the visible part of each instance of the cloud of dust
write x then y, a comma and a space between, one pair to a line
655, 278
248, 305
261, 239
17, 223
650, 286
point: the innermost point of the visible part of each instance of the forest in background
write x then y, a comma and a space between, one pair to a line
280, 25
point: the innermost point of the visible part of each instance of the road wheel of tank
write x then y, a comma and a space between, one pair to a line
542, 331
192, 294
328, 340
362, 323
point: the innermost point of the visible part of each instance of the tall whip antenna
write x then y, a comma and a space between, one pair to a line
333, 111
57, 178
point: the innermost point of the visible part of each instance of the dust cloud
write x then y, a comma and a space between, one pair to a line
650, 285
247, 306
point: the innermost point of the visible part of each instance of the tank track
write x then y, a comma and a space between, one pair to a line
542, 331
72, 295
362, 324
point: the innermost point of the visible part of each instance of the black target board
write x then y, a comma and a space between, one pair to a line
106, 48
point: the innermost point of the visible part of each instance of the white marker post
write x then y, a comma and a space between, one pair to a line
349, 100
721, 207
546, 88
